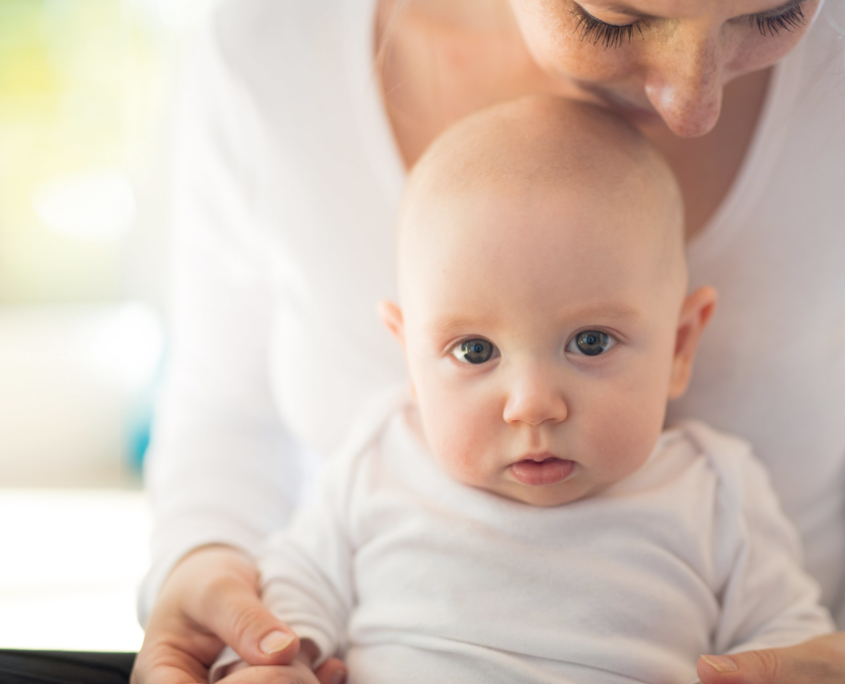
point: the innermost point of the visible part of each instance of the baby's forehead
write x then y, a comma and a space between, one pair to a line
547, 173
535, 146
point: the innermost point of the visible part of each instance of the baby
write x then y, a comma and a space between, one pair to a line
521, 516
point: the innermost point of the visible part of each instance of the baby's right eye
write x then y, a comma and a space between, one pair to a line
474, 351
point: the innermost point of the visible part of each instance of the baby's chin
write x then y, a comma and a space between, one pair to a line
548, 496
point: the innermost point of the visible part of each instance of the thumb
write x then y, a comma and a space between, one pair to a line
235, 613
765, 666
818, 661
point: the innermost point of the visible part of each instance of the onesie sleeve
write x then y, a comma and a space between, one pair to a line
307, 572
767, 598
221, 467
307, 569
307, 575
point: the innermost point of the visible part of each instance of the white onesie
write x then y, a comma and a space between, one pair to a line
411, 576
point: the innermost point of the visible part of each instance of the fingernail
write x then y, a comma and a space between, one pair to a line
275, 642
721, 663
339, 677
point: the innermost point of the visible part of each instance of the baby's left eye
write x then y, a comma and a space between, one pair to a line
591, 343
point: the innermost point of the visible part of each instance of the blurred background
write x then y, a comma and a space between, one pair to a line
87, 89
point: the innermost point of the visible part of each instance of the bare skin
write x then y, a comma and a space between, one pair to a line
439, 66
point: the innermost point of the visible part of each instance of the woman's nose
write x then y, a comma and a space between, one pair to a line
534, 399
684, 84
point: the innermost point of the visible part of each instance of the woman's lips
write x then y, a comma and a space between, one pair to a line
542, 469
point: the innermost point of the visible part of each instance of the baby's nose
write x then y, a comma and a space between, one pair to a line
535, 399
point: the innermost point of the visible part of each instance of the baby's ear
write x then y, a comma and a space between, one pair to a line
696, 312
391, 316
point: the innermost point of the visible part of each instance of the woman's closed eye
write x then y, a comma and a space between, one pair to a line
591, 343
475, 351
771, 23
594, 30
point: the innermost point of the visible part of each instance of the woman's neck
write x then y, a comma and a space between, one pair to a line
441, 60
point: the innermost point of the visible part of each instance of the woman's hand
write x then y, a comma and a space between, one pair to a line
818, 661
211, 599
296, 673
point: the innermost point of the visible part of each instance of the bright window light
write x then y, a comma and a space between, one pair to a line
72, 561
126, 348
89, 206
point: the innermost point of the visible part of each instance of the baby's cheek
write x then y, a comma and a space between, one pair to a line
456, 442
624, 437
457, 434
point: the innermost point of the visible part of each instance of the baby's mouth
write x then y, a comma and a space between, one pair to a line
537, 470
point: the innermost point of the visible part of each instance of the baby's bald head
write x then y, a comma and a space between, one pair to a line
504, 177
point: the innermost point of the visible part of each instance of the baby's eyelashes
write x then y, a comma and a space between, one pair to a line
591, 343
477, 350
474, 351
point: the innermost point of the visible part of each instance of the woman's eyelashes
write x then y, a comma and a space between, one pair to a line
789, 20
593, 30
474, 351
591, 343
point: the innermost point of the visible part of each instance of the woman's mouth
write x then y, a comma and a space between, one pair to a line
537, 470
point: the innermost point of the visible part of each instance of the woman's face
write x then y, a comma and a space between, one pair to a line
660, 58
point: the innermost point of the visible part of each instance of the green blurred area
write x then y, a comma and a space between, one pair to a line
79, 88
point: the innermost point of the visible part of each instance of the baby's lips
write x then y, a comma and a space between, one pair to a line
533, 471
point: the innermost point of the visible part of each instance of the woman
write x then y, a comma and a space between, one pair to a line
300, 123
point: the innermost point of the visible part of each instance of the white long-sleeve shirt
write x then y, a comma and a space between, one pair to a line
412, 576
287, 185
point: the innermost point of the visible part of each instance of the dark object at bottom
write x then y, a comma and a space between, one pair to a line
64, 667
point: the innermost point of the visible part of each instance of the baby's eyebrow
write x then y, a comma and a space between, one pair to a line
613, 311
449, 324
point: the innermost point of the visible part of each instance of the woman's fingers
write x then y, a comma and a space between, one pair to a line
173, 654
210, 599
818, 661
272, 674
237, 616
333, 671
226, 603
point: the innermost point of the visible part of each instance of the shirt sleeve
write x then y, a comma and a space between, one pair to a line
768, 600
307, 569
221, 468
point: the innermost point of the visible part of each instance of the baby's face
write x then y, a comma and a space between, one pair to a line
540, 329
